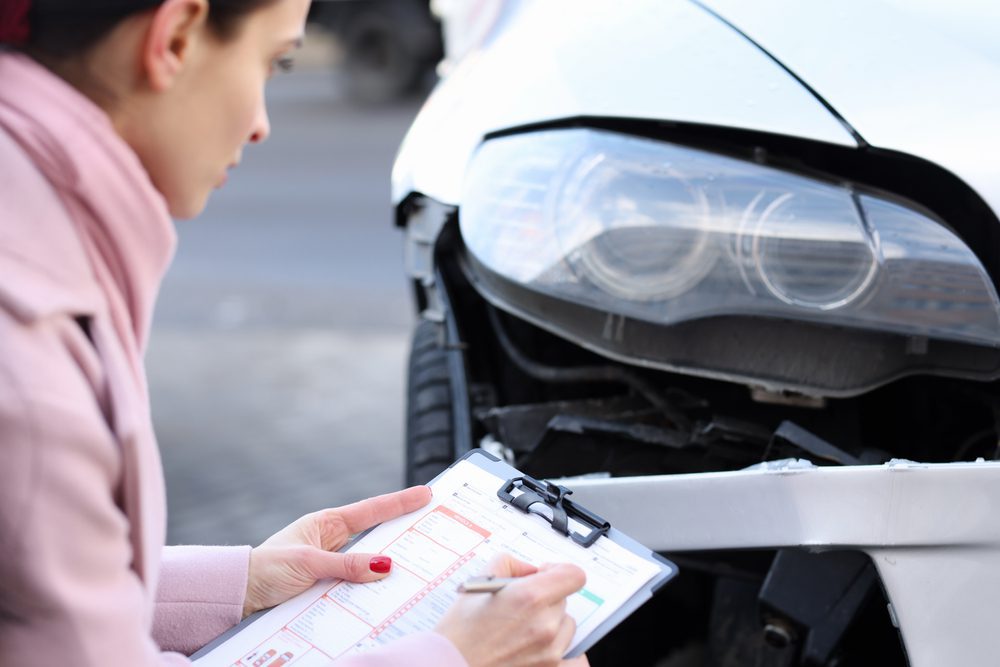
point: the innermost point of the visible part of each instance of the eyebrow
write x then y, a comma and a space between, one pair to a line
296, 42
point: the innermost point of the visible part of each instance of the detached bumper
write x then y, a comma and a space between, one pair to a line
932, 530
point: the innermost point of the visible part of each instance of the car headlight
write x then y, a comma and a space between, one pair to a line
667, 234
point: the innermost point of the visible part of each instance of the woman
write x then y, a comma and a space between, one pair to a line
114, 116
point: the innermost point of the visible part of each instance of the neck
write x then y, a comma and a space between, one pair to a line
106, 73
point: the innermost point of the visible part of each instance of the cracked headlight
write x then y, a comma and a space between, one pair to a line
668, 234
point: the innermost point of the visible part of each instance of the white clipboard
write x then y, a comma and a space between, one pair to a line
549, 516
667, 569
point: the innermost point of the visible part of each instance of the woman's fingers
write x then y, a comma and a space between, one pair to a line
564, 637
551, 581
341, 522
554, 583
351, 567
506, 565
523, 625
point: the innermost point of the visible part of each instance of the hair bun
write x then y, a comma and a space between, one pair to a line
14, 26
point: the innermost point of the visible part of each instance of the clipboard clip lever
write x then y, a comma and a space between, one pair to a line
559, 508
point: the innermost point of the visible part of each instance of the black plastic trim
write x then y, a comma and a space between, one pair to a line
779, 354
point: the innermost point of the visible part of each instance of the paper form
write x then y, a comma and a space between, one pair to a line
433, 550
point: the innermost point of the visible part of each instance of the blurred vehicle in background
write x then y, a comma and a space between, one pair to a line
466, 25
390, 47
733, 268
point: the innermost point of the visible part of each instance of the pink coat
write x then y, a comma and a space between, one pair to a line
84, 242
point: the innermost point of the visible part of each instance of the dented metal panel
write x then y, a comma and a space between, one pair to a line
932, 530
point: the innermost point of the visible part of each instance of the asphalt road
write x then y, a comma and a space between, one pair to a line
277, 362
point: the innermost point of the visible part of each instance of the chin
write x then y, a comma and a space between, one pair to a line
185, 208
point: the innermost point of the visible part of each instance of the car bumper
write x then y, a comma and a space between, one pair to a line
932, 531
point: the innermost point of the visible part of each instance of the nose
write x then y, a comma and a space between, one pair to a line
261, 125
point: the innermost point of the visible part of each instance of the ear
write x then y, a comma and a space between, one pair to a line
176, 27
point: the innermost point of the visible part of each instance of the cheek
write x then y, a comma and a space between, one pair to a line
231, 96
202, 133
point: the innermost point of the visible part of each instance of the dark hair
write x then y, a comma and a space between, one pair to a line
64, 28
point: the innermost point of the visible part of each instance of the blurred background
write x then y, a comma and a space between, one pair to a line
277, 361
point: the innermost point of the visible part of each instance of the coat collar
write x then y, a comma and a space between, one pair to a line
116, 214
44, 267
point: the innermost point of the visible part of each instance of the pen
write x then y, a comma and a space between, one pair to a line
488, 584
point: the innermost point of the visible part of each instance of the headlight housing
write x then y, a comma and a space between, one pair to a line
668, 234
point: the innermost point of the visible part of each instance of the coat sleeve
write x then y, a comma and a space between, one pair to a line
200, 595
68, 594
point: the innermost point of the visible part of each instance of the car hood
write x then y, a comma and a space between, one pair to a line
902, 75
558, 59
913, 76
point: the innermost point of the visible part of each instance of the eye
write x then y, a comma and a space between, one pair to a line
283, 64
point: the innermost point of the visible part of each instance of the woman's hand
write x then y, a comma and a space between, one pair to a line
523, 625
295, 558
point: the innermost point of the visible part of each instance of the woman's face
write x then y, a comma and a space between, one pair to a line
195, 131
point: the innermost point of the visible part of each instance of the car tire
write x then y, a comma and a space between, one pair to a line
384, 60
430, 430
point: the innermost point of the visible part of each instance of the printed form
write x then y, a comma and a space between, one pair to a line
433, 550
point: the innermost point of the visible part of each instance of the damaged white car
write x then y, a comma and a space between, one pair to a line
733, 267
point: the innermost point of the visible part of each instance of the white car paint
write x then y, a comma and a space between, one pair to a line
564, 58
913, 76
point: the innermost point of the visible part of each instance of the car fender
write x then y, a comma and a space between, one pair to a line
563, 59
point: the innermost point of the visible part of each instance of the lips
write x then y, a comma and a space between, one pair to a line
225, 176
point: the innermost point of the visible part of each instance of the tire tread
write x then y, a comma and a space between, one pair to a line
430, 443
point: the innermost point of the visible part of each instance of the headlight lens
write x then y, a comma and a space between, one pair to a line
666, 234
608, 229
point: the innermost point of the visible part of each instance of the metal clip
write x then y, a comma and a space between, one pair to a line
561, 507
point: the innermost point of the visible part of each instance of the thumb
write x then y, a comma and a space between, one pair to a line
356, 567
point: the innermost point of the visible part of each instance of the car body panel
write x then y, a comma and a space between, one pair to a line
914, 76
930, 529
547, 62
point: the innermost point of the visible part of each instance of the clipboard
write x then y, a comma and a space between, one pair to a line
551, 503
557, 496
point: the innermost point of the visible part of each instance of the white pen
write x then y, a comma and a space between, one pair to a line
486, 584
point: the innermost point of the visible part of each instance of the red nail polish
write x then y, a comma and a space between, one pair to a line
380, 564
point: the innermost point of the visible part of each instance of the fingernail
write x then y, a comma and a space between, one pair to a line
380, 564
